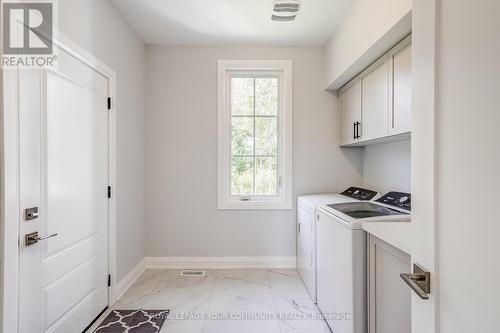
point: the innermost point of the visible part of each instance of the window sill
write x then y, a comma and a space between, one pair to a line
255, 205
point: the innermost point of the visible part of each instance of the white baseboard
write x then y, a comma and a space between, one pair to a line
128, 280
220, 262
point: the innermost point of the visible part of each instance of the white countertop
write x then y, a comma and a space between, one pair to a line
398, 234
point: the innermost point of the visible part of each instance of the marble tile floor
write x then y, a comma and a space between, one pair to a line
233, 300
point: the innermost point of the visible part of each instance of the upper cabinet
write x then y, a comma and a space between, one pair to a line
350, 112
376, 105
400, 90
374, 100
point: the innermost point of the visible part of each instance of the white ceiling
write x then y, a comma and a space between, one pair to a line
230, 21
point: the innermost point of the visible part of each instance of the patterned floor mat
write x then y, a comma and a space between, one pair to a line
133, 321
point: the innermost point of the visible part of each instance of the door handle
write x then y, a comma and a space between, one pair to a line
33, 238
419, 281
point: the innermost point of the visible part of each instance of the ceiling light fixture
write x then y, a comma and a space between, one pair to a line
285, 10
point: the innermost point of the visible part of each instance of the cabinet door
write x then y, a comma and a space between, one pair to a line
400, 92
375, 100
389, 298
304, 249
350, 111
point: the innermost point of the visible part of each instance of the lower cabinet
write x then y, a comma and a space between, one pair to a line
389, 299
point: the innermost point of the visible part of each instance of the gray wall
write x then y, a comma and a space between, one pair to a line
181, 140
180, 168
96, 26
387, 167
363, 27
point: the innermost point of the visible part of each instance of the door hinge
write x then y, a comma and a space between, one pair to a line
109, 192
109, 103
109, 280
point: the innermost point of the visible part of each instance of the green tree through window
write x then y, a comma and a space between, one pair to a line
254, 135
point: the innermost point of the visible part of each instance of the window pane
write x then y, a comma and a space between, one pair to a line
266, 176
266, 96
241, 175
242, 96
266, 136
242, 136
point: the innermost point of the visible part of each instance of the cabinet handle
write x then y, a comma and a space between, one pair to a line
357, 130
354, 130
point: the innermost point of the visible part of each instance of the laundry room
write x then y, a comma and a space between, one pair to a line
274, 166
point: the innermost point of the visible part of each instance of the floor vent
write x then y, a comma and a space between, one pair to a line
193, 273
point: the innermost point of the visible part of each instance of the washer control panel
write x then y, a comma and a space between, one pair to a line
397, 199
359, 193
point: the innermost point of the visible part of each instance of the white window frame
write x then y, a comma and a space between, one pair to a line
283, 200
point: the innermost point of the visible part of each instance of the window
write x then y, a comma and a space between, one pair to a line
255, 134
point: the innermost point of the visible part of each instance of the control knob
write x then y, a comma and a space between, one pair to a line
403, 200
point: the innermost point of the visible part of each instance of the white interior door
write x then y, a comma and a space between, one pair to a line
63, 138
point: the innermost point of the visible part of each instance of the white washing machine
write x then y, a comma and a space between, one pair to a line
341, 257
306, 229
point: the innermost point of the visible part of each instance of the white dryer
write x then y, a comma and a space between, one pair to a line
306, 229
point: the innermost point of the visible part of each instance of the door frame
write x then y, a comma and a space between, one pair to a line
10, 205
424, 159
